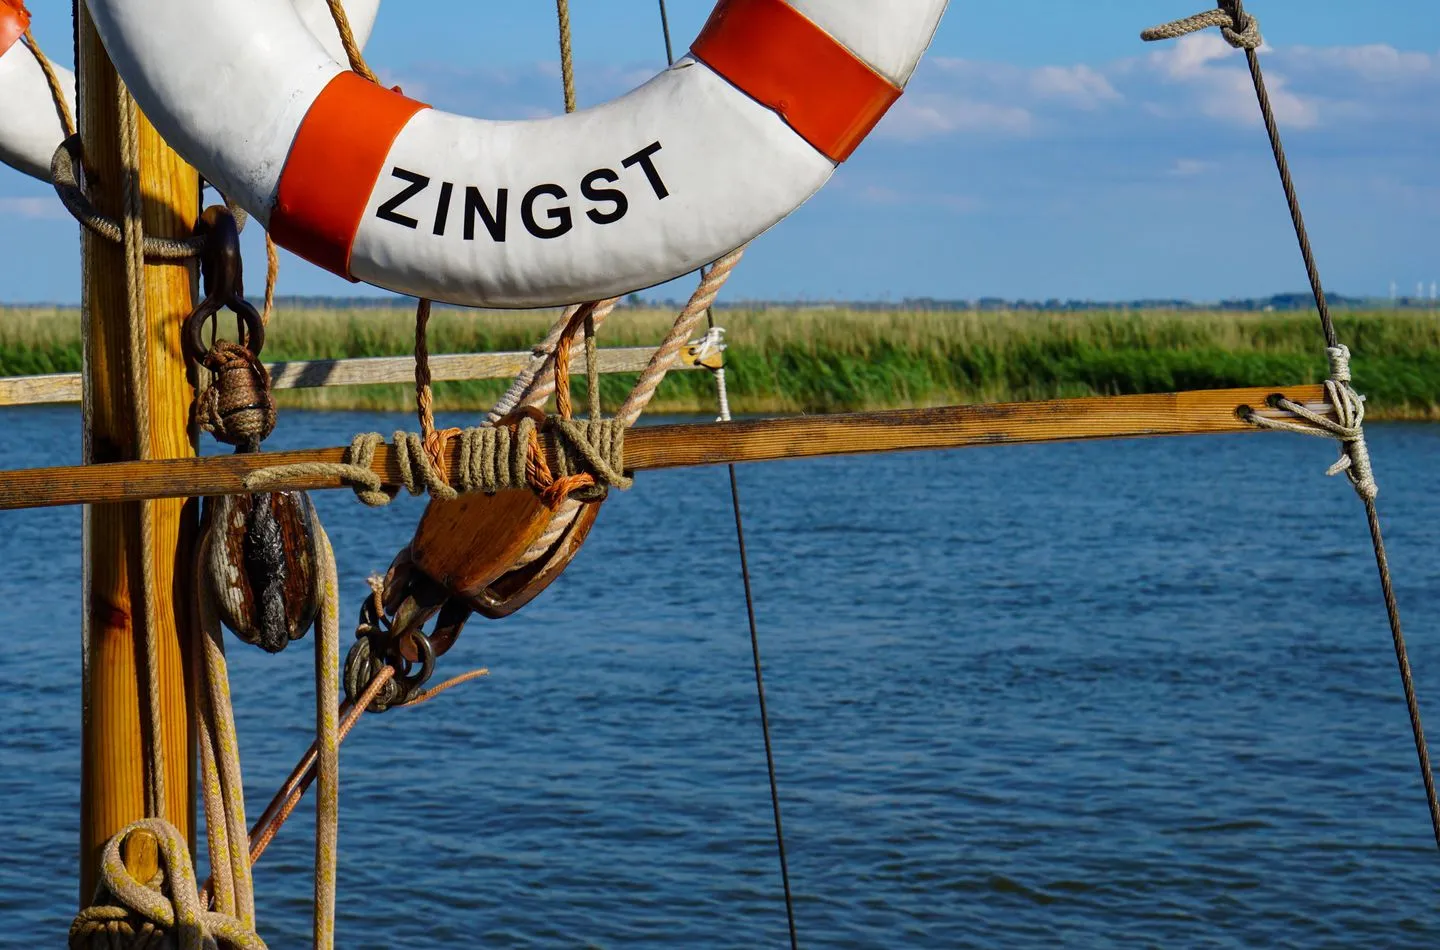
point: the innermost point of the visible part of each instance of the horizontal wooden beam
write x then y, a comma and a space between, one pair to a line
367, 371
675, 446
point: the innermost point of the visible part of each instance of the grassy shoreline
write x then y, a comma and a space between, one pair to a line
834, 360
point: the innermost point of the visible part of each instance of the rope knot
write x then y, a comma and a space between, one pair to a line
1347, 428
161, 913
1241, 32
237, 407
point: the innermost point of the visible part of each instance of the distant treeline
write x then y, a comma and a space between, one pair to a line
814, 359
1276, 302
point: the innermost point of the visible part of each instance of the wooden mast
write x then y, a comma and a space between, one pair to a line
112, 793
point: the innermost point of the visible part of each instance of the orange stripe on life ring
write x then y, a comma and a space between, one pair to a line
14, 21
780, 58
338, 155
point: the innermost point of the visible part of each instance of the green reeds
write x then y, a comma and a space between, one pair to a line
785, 360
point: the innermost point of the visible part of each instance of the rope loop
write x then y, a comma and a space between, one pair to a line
1347, 428
65, 175
165, 912
589, 458
1240, 29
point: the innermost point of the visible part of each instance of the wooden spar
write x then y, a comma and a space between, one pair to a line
674, 446
112, 793
55, 388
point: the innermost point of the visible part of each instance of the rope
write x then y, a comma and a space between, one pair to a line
1349, 406
667, 354
1246, 36
52, 79
1347, 428
348, 41
492, 459
65, 176
435, 442
130, 914
327, 739
272, 276
222, 783
567, 58
133, 240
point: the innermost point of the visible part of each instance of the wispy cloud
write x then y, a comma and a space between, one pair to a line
32, 209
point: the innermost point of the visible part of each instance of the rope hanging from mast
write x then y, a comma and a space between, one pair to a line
1242, 30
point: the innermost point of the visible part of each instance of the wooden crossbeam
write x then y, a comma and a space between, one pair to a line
57, 388
675, 446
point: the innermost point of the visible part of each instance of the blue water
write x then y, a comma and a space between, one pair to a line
1105, 694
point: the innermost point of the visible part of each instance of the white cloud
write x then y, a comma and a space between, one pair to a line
923, 116
1190, 167
34, 209
1081, 85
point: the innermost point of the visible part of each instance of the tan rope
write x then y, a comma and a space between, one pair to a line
65, 177
435, 442
52, 79
348, 41
222, 783
272, 277
327, 738
668, 353
567, 58
131, 914
134, 244
1244, 36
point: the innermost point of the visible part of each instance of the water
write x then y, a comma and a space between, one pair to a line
1105, 694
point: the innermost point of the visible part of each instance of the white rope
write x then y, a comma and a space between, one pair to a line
1348, 428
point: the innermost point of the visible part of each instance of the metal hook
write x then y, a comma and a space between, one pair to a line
222, 270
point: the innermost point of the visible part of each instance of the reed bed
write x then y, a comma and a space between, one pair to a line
789, 360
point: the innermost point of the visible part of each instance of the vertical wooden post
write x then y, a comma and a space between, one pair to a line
112, 793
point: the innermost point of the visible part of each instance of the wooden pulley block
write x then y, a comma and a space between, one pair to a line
467, 544
516, 588
260, 565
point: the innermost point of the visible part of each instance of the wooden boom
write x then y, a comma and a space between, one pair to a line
676, 446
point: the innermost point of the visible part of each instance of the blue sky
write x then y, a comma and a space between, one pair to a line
1041, 151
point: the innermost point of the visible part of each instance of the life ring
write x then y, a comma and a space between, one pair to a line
375, 186
30, 128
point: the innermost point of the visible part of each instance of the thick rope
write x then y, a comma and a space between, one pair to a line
492, 459
348, 41
567, 56
222, 783
327, 739
1348, 428
1348, 405
1244, 36
129, 914
52, 79
272, 277
668, 353
65, 176
134, 240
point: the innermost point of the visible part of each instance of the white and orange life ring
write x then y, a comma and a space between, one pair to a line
30, 128
381, 188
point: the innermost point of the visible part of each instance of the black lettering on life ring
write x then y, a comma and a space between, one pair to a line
560, 214
390, 210
613, 195
647, 165
475, 204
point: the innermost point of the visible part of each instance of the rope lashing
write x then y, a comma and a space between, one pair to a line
130, 915
492, 459
65, 175
1348, 428
1244, 34
237, 407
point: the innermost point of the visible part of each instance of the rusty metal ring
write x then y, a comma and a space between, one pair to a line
411, 684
